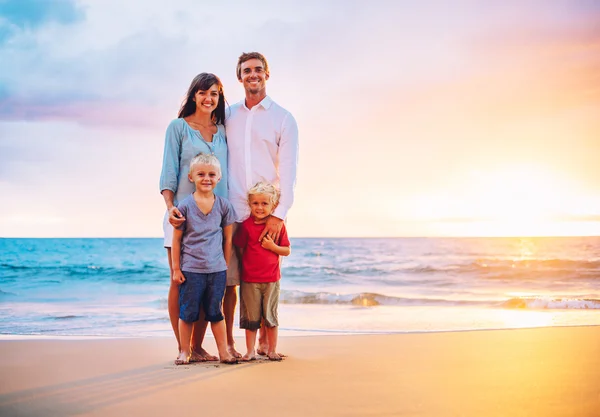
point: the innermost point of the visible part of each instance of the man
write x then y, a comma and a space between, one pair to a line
262, 139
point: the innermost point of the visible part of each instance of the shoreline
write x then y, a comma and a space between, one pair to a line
286, 333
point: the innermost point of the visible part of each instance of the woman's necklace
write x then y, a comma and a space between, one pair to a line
210, 145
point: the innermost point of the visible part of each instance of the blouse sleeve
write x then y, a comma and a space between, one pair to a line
170, 168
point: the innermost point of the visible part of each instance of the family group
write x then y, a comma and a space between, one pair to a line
228, 179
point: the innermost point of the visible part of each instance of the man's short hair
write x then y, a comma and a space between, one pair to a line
246, 56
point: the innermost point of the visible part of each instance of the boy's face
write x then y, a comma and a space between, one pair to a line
253, 76
260, 206
205, 177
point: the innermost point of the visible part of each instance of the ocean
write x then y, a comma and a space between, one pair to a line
118, 287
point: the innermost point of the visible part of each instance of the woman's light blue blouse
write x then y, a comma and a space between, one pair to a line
182, 143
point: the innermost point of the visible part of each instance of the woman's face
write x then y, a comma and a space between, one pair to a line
207, 100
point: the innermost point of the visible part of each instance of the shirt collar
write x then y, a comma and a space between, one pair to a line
265, 103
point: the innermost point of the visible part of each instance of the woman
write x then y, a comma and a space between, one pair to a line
199, 127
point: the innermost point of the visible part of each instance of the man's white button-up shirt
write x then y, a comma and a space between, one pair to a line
263, 146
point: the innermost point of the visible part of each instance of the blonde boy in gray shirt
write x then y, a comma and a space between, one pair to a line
201, 252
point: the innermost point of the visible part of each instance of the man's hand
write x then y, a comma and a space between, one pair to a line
175, 217
273, 227
178, 276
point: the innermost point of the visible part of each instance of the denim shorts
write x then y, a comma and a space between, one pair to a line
204, 290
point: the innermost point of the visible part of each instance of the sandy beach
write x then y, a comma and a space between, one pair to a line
526, 372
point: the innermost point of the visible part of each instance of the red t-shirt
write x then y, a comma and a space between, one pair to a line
258, 264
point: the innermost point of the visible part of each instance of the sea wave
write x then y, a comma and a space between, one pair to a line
65, 317
366, 299
148, 271
6, 293
532, 264
521, 269
551, 303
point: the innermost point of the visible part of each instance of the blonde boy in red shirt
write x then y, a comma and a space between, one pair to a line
260, 273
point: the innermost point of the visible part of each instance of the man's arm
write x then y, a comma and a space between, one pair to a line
288, 164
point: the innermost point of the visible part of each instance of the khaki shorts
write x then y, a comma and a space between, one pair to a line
258, 301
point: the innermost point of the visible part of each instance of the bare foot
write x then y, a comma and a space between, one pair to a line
229, 360
262, 349
204, 355
274, 356
233, 352
182, 359
196, 357
249, 357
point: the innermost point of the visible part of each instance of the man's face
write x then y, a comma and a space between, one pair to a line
254, 76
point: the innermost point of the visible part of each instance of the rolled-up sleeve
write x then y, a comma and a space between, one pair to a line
169, 176
288, 165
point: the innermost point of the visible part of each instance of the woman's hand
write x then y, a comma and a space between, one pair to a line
175, 217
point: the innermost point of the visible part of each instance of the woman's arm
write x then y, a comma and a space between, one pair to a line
170, 171
175, 217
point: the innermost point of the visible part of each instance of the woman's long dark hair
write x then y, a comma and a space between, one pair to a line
203, 82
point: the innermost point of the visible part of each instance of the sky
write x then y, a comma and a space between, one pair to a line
416, 118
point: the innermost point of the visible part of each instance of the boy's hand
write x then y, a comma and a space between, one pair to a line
178, 276
268, 243
175, 217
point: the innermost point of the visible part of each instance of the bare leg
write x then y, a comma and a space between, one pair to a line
219, 331
229, 303
199, 329
173, 302
272, 333
198, 353
250, 342
263, 343
185, 334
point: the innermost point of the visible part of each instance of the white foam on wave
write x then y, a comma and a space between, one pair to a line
539, 303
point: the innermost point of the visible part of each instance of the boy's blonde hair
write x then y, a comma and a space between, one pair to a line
267, 189
206, 159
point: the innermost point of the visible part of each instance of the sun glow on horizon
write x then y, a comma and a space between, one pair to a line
518, 201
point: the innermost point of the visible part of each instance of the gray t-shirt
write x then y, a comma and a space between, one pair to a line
202, 243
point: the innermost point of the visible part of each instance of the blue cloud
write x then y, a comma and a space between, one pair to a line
17, 15
31, 13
